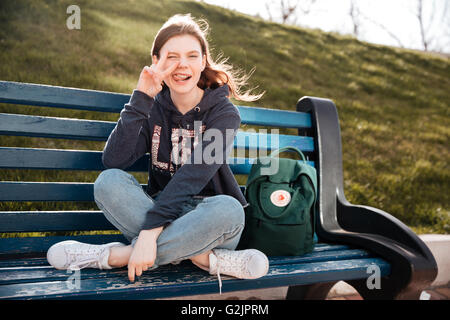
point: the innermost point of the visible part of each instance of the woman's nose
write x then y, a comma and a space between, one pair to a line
183, 62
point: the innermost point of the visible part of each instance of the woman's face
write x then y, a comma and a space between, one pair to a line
186, 50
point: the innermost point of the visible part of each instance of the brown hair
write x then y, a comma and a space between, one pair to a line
215, 74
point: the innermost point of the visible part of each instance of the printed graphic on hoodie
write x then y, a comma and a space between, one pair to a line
181, 151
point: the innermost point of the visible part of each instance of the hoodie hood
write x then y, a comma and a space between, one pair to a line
210, 99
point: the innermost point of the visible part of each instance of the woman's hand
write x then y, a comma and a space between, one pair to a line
144, 252
151, 77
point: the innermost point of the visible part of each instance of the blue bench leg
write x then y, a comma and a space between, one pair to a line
318, 291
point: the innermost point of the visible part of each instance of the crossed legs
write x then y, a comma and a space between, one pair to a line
213, 222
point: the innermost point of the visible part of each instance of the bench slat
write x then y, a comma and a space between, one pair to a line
61, 97
51, 127
50, 159
45, 159
40, 245
167, 281
274, 117
46, 191
40, 221
49, 191
256, 141
80, 129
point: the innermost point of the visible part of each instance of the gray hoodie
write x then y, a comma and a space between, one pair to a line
185, 161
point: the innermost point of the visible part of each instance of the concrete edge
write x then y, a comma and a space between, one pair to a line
439, 245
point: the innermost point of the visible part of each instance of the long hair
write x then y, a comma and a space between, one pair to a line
216, 73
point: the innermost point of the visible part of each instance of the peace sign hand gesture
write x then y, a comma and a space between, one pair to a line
151, 77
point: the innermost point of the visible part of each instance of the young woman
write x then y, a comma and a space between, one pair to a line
192, 207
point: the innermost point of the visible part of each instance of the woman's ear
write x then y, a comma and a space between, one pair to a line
154, 59
204, 62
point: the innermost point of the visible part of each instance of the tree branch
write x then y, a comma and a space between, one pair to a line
383, 27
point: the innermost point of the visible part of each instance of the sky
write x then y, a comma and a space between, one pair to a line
396, 15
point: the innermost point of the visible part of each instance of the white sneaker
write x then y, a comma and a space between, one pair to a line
75, 255
242, 264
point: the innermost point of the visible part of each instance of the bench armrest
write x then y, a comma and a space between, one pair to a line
369, 220
413, 264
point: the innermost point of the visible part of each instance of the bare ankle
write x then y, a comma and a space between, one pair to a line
119, 256
201, 260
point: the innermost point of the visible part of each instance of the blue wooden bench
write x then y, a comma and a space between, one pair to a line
351, 239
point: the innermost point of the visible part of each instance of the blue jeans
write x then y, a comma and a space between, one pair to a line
204, 224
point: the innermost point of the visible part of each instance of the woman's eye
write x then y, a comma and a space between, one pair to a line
171, 57
193, 56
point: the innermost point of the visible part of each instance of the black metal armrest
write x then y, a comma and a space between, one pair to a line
413, 264
365, 219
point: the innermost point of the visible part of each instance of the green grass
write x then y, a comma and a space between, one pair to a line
393, 103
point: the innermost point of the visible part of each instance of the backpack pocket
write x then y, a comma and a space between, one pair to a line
281, 202
277, 239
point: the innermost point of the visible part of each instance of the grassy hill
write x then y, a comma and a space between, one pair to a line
393, 103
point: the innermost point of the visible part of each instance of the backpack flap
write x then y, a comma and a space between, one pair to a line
286, 171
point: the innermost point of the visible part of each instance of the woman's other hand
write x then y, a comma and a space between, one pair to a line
144, 252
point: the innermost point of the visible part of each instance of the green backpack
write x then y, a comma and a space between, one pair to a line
280, 220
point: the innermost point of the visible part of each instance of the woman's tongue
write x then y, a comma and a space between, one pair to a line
181, 77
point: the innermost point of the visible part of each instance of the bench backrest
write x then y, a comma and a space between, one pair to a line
294, 128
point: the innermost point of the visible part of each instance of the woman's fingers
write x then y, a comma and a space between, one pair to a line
161, 61
154, 74
153, 79
150, 71
157, 73
131, 272
160, 64
170, 69
138, 271
135, 270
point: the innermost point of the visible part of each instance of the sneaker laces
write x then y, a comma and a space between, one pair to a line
220, 279
230, 263
81, 258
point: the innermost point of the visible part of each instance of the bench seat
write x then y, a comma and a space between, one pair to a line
33, 278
